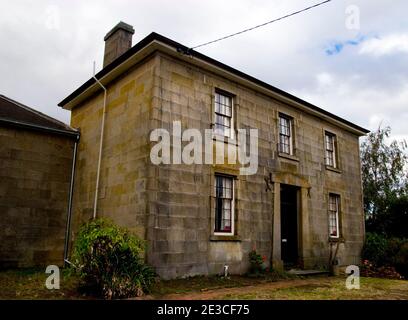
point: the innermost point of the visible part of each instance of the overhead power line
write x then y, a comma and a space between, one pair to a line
263, 24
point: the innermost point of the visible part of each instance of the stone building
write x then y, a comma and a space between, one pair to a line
304, 199
36, 156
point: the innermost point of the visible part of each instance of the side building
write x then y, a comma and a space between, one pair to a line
36, 160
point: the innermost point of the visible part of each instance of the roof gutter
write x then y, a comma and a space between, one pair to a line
69, 210
98, 169
13, 123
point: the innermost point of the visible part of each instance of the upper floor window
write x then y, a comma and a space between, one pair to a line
223, 115
330, 150
224, 204
285, 134
334, 210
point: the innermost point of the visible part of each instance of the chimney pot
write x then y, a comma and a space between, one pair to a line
117, 42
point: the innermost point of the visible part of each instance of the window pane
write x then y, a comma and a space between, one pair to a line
329, 143
284, 126
228, 111
219, 129
285, 135
223, 204
219, 119
333, 215
223, 114
217, 108
330, 150
228, 101
227, 204
329, 158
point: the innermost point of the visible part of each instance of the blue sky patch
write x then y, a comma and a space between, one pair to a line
337, 46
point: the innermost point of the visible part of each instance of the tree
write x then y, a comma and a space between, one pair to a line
385, 179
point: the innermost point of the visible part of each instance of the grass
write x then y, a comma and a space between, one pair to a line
30, 284
205, 283
330, 289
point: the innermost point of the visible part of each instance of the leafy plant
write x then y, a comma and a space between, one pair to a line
385, 183
375, 248
110, 260
368, 269
387, 257
401, 260
256, 263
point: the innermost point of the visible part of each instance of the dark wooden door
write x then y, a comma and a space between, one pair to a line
289, 225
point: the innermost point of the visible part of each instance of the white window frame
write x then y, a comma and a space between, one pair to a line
334, 152
291, 133
232, 232
337, 197
232, 129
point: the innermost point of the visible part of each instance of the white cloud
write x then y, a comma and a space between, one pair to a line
46, 53
391, 44
324, 79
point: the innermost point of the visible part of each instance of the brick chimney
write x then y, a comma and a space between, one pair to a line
117, 42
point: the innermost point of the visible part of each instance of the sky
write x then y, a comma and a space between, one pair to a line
348, 57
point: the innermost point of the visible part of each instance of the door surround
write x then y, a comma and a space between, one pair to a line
304, 247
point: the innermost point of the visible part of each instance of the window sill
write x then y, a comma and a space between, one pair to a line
334, 240
288, 156
225, 139
216, 237
330, 168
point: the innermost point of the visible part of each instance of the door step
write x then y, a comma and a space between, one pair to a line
299, 272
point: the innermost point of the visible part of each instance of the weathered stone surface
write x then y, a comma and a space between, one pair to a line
35, 171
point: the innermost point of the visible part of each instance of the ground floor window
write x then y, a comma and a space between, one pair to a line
334, 209
224, 204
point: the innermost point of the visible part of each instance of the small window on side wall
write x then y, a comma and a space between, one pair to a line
334, 213
285, 134
224, 205
330, 142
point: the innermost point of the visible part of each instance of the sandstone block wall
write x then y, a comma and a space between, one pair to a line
35, 172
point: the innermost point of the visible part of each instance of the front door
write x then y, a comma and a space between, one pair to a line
289, 225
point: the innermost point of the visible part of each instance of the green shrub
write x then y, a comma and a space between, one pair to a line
393, 247
256, 263
375, 248
380, 252
401, 260
110, 260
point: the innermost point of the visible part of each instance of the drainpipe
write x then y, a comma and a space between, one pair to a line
69, 213
100, 145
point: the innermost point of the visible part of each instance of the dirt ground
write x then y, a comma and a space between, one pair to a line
315, 288
30, 284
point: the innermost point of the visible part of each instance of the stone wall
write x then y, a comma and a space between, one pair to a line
35, 171
124, 174
182, 239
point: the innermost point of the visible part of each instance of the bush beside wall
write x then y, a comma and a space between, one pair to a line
109, 259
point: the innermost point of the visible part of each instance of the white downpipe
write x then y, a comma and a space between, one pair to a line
98, 170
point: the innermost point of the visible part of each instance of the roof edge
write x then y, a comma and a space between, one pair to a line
13, 123
42, 115
190, 52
